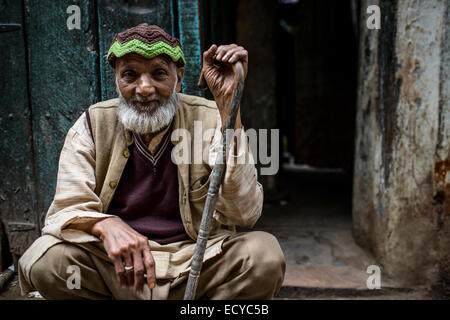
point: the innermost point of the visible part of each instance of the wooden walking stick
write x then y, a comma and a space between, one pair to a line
215, 181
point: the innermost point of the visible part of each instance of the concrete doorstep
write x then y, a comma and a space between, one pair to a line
339, 282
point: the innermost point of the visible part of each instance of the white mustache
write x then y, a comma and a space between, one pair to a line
138, 98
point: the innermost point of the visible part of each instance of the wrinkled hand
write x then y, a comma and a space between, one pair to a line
218, 73
126, 247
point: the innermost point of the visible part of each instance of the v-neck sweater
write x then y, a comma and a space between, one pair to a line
147, 194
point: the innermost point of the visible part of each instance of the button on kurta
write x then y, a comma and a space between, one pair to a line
126, 153
113, 184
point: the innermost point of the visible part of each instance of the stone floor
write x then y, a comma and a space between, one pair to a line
311, 217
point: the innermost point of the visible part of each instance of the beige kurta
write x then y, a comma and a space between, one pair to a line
89, 172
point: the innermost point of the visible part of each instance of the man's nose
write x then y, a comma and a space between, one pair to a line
145, 86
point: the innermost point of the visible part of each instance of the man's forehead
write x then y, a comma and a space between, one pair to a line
134, 58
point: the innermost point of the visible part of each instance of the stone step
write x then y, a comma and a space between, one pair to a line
331, 281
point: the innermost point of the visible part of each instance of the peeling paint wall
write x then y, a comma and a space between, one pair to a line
401, 183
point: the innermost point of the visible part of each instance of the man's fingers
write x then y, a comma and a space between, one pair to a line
231, 54
223, 49
120, 271
219, 77
227, 56
129, 274
149, 264
138, 271
240, 54
208, 55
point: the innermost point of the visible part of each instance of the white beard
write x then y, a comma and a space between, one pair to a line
141, 122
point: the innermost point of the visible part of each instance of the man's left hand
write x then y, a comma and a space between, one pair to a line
218, 73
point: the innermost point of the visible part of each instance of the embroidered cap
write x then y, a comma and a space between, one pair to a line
148, 41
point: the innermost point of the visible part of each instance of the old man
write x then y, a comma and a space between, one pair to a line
127, 210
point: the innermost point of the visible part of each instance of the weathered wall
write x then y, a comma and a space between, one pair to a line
442, 165
18, 201
63, 73
400, 206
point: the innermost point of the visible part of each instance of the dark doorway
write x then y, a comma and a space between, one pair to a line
313, 48
316, 81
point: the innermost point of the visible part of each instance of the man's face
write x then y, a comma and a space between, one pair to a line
147, 90
147, 83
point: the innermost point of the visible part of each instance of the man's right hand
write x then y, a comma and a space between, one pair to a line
127, 247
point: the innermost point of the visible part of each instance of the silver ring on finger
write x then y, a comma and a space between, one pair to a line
128, 268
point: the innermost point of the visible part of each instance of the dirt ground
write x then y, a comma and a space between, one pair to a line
12, 291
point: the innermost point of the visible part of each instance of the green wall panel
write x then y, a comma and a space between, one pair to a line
189, 26
17, 185
63, 79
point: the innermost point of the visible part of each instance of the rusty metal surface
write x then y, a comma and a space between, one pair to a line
442, 184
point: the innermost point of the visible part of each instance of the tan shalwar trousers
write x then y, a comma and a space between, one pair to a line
250, 266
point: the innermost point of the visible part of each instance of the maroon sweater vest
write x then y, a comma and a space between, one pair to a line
147, 195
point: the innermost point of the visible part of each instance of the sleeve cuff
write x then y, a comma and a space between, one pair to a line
59, 228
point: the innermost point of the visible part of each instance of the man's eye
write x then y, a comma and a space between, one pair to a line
129, 74
161, 72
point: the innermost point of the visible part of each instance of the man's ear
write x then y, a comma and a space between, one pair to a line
180, 74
